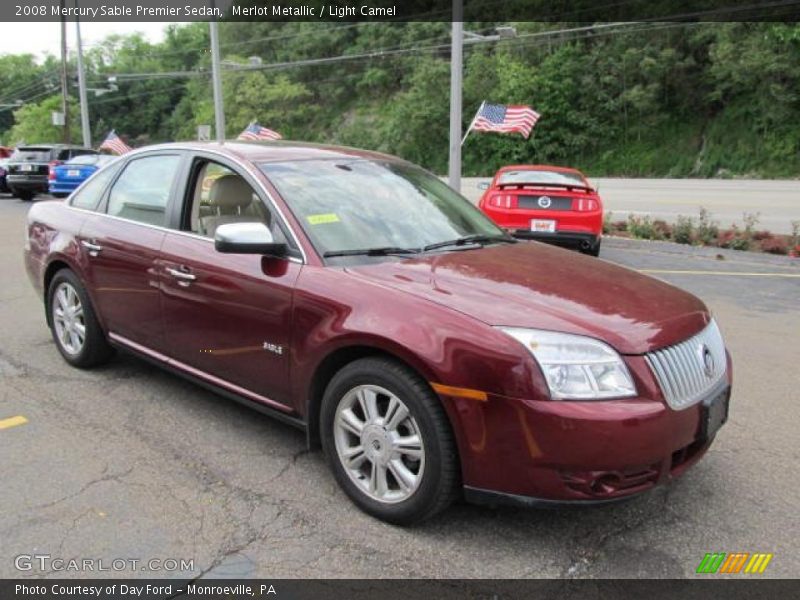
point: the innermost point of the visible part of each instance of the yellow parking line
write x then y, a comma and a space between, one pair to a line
12, 422
732, 273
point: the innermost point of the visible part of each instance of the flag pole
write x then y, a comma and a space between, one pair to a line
475, 118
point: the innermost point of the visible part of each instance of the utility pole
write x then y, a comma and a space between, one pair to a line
216, 79
87, 132
67, 138
456, 76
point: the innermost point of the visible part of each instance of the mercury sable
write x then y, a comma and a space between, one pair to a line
356, 296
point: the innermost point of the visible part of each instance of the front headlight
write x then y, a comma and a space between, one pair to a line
576, 367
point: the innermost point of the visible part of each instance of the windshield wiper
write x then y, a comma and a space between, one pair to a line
383, 251
478, 238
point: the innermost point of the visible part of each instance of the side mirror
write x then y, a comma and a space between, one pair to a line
247, 238
483, 185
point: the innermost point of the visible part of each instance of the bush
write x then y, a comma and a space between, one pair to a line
750, 222
774, 245
707, 230
642, 228
663, 229
734, 239
683, 231
620, 226
608, 226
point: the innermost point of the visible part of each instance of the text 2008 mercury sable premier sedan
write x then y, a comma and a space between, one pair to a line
356, 296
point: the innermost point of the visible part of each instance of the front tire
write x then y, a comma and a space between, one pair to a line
76, 331
389, 442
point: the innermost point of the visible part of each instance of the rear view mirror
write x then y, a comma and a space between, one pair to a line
483, 185
247, 238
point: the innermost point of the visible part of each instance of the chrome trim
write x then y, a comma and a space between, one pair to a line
252, 171
686, 372
92, 248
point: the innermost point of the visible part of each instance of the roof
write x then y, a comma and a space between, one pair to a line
278, 151
53, 146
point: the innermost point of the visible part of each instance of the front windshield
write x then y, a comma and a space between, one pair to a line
541, 176
352, 204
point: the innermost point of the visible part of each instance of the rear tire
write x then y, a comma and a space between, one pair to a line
593, 250
25, 196
59, 195
388, 441
76, 331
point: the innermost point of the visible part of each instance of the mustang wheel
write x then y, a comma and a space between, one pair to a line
76, 331
388, 441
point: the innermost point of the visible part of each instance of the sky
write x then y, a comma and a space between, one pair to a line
41, 38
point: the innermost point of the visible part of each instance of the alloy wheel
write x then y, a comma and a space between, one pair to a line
68, 319
379, 443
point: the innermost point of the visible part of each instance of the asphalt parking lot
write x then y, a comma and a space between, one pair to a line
128, 461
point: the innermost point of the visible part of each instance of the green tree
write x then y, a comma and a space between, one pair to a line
33, 122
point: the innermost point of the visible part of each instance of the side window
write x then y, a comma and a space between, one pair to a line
63, 155
91, 192
142, 191
219, 196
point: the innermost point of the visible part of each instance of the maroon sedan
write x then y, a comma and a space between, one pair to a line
357, 297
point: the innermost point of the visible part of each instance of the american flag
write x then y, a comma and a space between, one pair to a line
255, 131
505, 119
114, 144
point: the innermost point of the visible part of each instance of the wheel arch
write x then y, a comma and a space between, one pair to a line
331, 364
53, 267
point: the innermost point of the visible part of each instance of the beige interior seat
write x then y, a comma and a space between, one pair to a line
229, 197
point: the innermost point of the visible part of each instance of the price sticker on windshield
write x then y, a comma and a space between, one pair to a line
322, 219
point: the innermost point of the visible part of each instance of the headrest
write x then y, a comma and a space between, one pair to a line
230, 191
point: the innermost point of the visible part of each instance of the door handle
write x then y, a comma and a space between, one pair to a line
94, 249
184, 278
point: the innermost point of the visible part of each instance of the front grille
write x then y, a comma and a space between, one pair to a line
551, 202
688, 371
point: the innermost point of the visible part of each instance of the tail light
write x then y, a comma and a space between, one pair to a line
51, 175
503, 201
584, 204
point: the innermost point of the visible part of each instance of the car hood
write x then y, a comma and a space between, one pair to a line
534, 285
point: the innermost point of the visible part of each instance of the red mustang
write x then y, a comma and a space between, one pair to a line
550, 204
359, 298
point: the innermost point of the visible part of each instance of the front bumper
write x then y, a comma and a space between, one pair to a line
545, 452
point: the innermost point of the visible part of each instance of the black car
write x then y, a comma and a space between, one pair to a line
29, 167
3, 172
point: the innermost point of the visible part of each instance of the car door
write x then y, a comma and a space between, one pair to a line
228, 317
122, 243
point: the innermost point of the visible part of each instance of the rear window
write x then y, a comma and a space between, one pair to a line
31, 155
532, 176
86, 159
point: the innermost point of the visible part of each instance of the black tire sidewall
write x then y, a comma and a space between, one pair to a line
401, 382
94, 342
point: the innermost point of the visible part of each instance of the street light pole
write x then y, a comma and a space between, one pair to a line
219, 110
456, 76
87, 132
